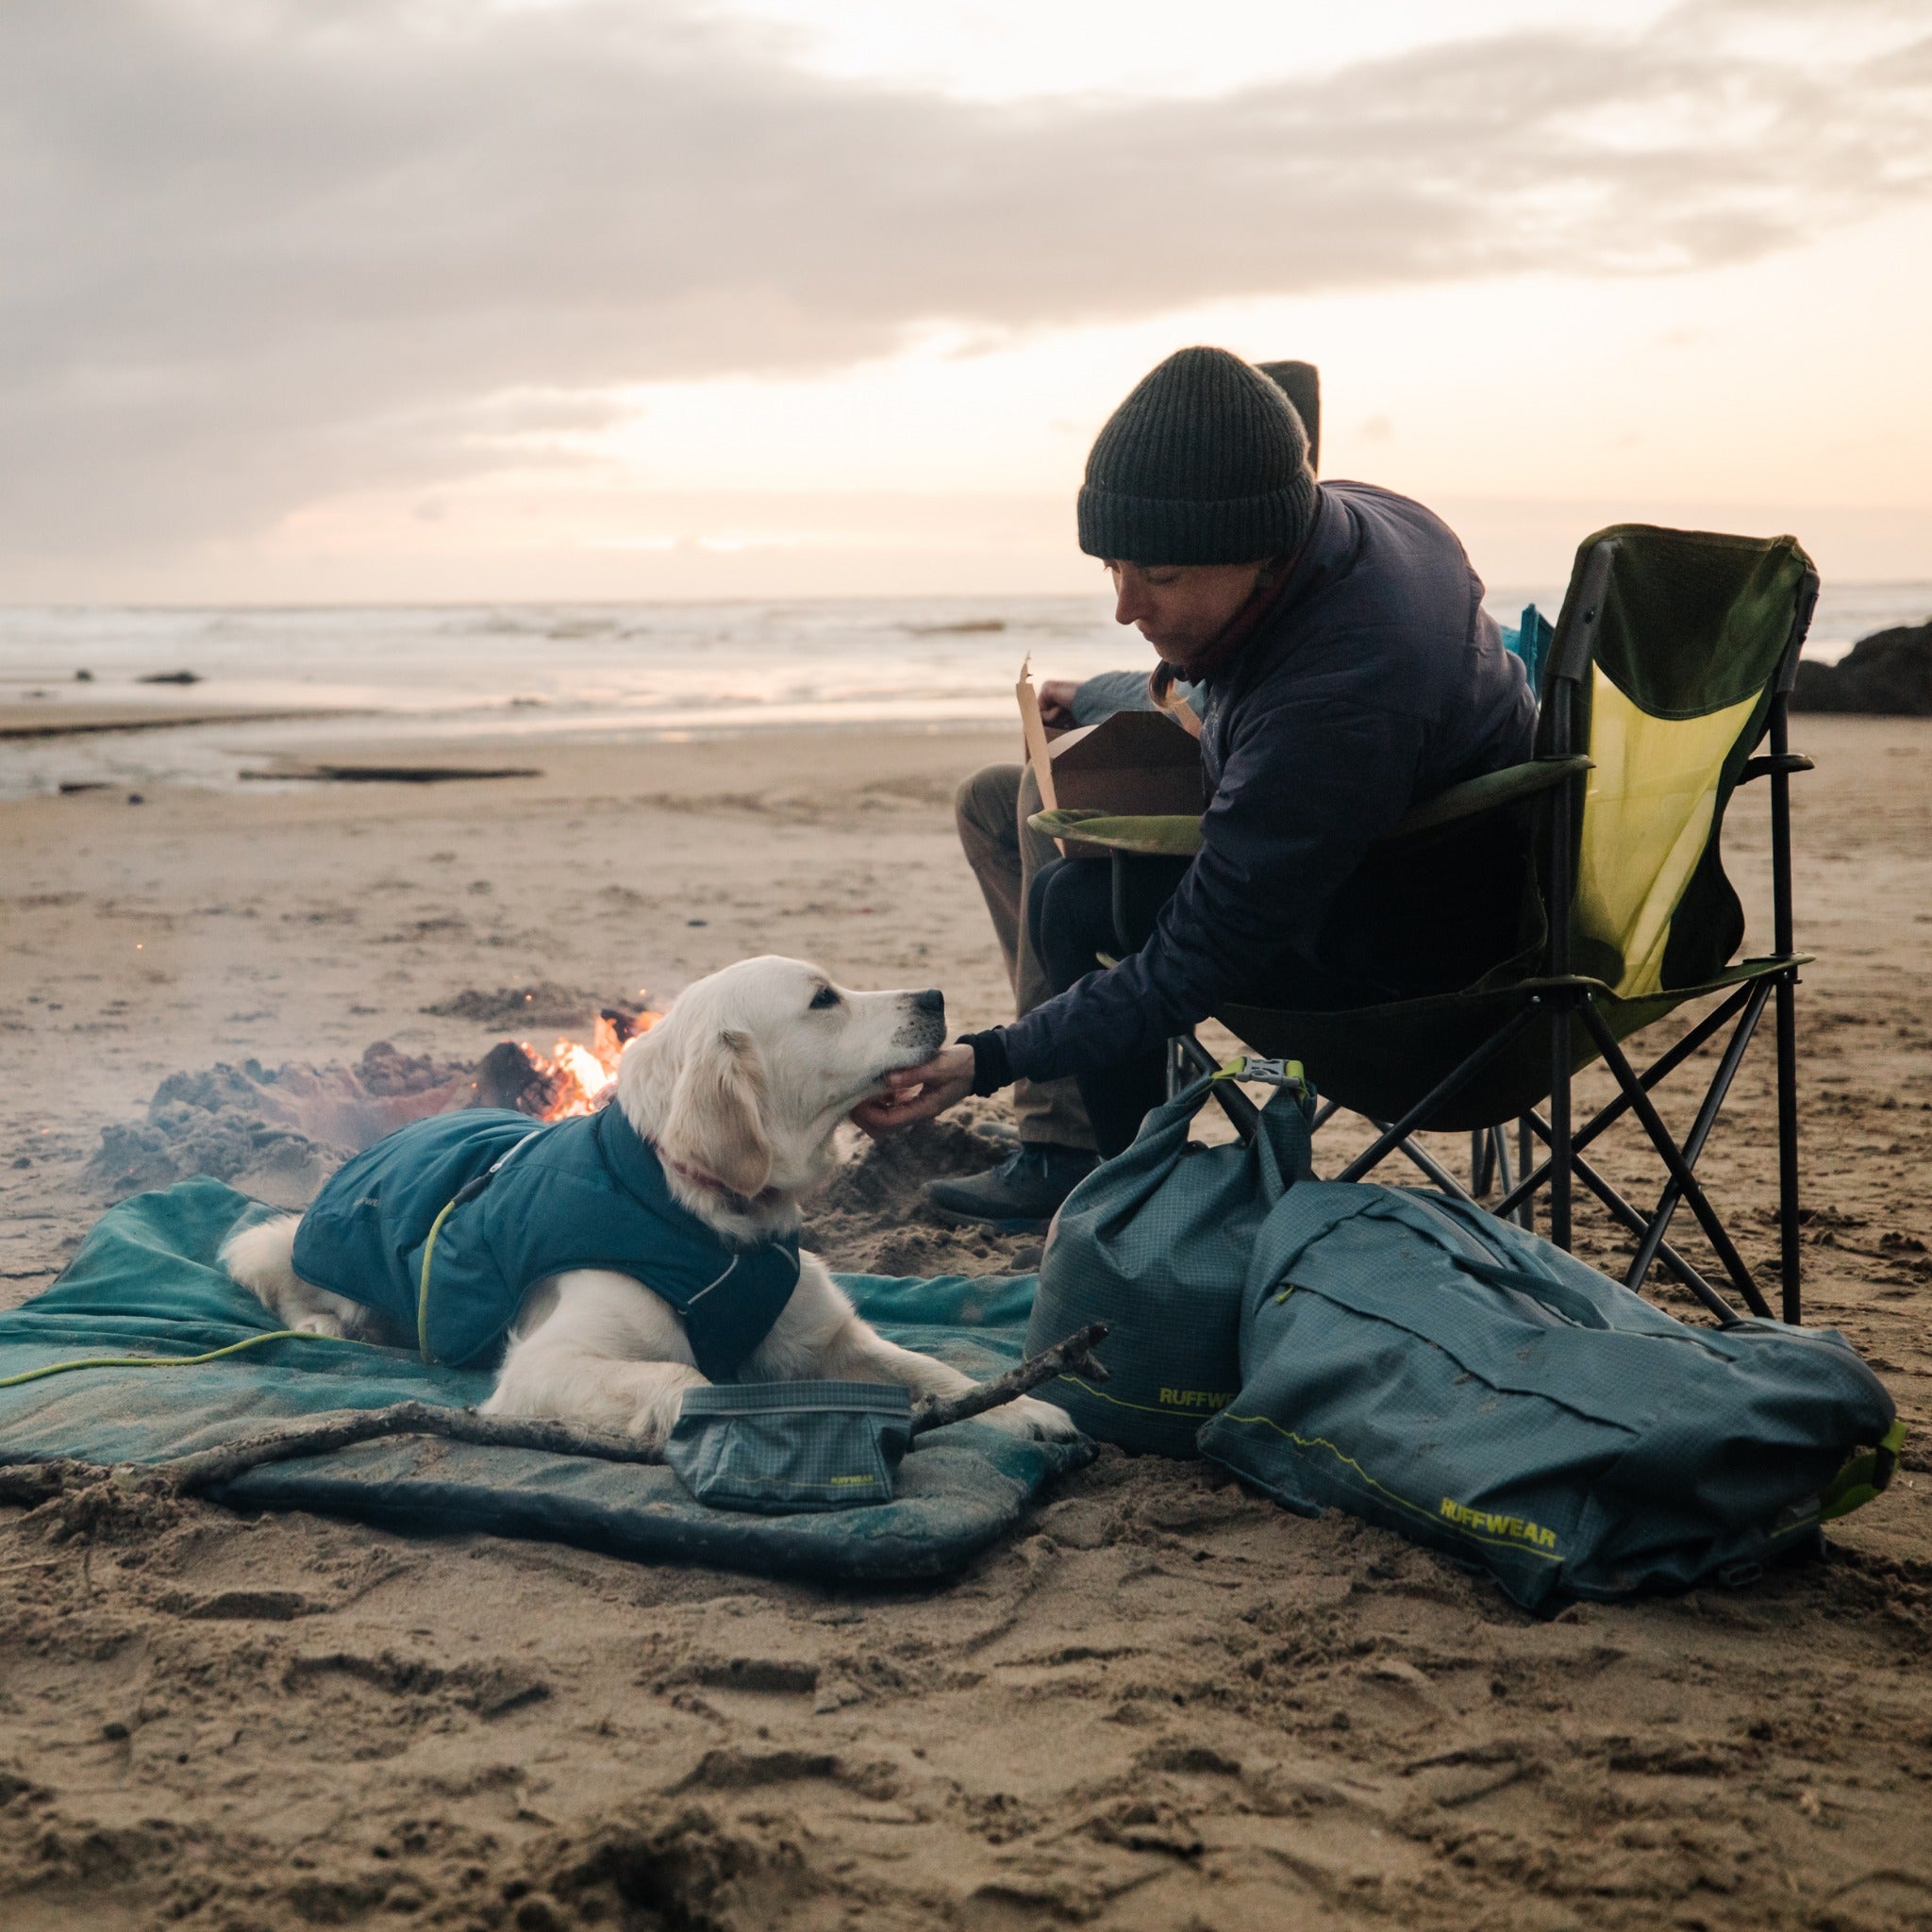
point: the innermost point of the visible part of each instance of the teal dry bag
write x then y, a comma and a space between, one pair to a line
1413, 1360
1155, 1243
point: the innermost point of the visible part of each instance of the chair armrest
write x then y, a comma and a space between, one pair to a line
1487, 794
1153, 837
1764, 765
1180, 837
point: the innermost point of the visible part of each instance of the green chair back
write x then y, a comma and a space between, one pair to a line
1672, 656
1683, 656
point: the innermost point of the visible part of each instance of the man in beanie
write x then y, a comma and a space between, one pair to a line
1344, 671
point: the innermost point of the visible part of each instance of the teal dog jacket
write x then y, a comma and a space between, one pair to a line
444, 1225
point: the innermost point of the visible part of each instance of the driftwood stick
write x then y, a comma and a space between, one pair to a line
34, 1483
208, 1468
1072, 1356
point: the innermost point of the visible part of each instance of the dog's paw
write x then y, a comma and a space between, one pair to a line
317, 1322
1032, 1420
651, 1426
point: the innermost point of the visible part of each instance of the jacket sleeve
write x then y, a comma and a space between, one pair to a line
1308, 785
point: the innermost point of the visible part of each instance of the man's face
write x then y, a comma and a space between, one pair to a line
1180, 608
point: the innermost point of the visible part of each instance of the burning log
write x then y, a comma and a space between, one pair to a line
570, 1080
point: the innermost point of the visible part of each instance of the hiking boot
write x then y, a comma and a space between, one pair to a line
1021, 1196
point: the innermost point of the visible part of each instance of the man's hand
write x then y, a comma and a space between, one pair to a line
1056, 703
917, 1093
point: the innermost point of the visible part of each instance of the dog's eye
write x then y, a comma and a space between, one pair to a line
825, 996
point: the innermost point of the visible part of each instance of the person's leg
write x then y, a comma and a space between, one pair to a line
984, 808
992, 808
1071, 922
1020, 1195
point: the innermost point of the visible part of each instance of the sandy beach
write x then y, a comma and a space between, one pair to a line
1163, 1703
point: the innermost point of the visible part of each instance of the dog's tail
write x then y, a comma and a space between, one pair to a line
262, 1258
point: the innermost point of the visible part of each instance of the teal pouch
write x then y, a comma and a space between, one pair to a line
785, 1446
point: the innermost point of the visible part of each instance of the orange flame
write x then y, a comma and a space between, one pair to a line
580, 1076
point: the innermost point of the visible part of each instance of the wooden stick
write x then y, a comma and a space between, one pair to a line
319, 1435
1072, 1356
34, 1483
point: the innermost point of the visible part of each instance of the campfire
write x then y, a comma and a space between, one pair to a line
571, 1078
280, 1130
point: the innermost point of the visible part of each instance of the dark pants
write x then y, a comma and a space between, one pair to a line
1071, 919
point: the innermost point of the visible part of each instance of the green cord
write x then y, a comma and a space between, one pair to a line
423, 1287
172, 1361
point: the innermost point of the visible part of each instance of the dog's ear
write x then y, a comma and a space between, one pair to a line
717, 1115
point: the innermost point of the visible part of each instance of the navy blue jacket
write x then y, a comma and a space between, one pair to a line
583, 1193
1377, 682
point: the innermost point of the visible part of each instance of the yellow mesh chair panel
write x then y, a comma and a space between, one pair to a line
1647, 815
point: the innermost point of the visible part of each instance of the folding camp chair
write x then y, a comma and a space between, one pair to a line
1672, 660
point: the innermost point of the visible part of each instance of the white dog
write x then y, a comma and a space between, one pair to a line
737, 1093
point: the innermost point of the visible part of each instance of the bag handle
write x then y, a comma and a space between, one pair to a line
1558, 1297
1283, 1128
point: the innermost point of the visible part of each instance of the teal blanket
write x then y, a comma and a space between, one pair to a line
146, 1283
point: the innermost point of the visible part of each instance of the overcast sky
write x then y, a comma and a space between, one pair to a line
378, 298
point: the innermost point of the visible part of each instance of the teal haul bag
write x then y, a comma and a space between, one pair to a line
1155, 1243
1419, 1363
783, 1446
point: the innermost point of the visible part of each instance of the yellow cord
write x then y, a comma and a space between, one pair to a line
189, 1362
422, 1285
171, 1361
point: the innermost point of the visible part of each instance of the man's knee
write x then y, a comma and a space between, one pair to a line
986, 804
1070, 918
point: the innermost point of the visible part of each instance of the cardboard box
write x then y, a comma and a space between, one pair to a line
1135, 763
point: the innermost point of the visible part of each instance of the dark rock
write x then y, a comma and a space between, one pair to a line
1887, 674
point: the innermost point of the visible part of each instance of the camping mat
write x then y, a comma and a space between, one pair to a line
145, 1282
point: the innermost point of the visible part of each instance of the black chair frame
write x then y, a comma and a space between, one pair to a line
1560, 1001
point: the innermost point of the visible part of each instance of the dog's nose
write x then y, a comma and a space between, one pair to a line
931, 1001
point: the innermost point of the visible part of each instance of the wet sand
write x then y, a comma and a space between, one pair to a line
1163, 1703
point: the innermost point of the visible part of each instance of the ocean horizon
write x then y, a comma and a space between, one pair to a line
368, 674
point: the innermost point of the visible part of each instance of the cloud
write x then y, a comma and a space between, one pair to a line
256, 250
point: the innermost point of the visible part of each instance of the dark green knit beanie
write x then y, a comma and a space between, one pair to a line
1205, 462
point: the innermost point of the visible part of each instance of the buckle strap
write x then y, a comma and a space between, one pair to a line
1271, 1072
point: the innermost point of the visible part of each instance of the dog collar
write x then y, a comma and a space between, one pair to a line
710, 1183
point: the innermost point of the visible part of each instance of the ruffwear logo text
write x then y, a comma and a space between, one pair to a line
1488, 1523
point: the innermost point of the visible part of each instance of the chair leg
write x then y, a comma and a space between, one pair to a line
1561, 1152
1499, 1153
1645, 1109
1700, 1132
1788, 1252
1618, 1105
1427, 1162
1691, 1277
1176, 1068
1525, 1153
1392, 1137
1632, 1219
1482, 1161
